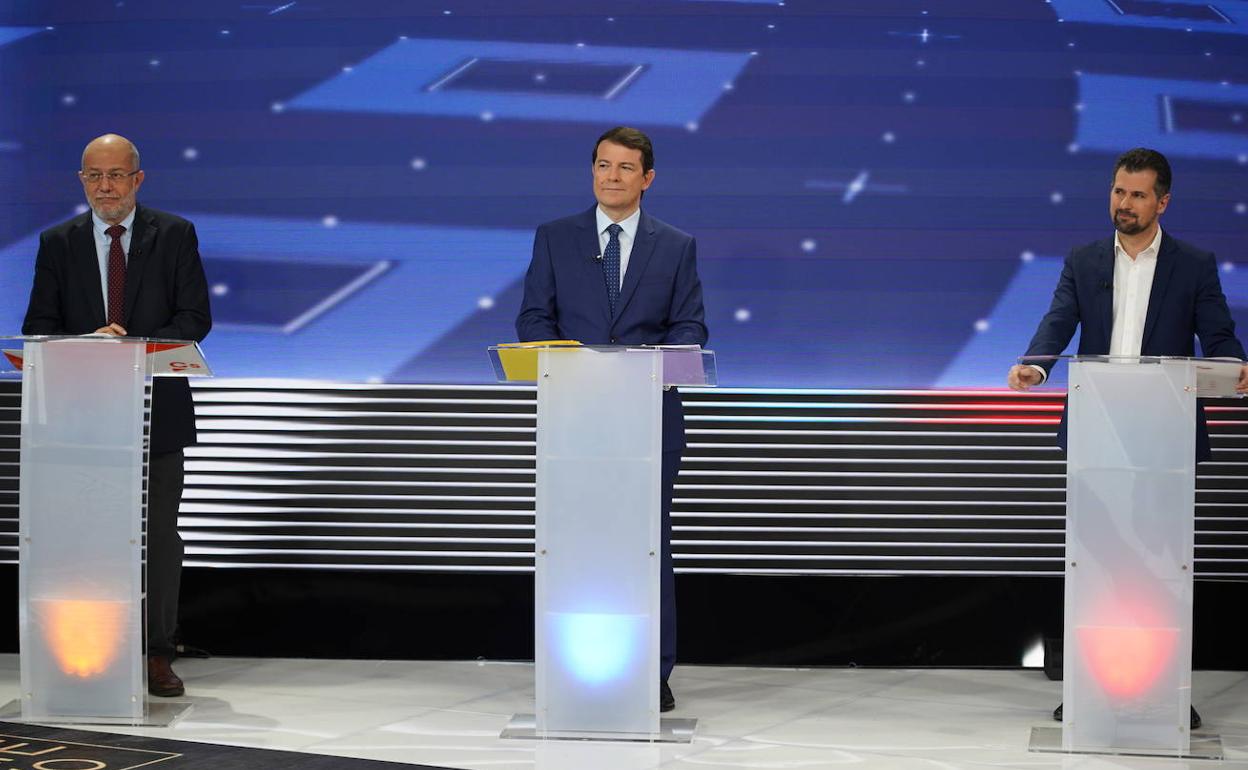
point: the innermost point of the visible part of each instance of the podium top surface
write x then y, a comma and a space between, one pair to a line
688, 365
165, 357
1215, 377
1129, 359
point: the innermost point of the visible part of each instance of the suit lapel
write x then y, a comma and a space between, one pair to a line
643, 248
86, 260
1105, 274
1167, 256
141, 241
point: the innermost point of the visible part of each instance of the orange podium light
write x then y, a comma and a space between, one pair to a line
84, 636
1126, 661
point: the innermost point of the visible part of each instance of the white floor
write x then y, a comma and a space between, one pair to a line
449, 714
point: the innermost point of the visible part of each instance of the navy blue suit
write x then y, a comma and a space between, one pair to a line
1186, 301
565, 297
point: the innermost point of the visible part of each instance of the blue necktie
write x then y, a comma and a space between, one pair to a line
611, 266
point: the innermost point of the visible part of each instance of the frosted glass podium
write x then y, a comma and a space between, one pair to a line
598, 545
81, 505
1130, 505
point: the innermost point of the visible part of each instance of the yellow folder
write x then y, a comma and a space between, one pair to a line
519, 359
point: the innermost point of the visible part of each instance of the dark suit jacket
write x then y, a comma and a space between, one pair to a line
565, 296
1185, 302
166, 296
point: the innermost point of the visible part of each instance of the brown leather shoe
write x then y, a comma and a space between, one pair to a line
161, 681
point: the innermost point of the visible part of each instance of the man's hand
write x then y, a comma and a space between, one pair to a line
1242, 385
113, 329
1023, 377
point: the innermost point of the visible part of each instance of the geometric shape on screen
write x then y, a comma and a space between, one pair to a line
11, 34
654, 85
1226, 118
1120, 111
412, 284
281, 296
538, 77
1198, 11
1228, 16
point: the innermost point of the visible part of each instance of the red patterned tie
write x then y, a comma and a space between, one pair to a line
116, 276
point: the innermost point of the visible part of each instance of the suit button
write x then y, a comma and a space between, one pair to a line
614, 340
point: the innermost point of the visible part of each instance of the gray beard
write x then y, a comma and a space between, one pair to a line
109, 215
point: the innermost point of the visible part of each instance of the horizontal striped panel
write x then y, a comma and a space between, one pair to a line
301, 474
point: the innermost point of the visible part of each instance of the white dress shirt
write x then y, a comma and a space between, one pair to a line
102, 243
627, 237
1133, 282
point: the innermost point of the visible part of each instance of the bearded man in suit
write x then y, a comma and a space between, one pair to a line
1141, 292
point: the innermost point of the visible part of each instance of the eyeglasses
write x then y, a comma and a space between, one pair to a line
95, 177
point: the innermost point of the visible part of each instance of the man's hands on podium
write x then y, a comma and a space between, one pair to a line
112, 330
1024, 376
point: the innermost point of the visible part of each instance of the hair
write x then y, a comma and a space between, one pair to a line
1141, 159
630, 138
134, 151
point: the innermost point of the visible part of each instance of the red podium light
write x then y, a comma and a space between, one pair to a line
1127, 660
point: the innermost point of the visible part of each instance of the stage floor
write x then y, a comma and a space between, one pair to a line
450, 714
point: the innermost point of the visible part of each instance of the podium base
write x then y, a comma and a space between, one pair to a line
524, 726
161, 713
1203, 746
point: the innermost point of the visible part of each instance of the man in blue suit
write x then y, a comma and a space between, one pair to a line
614, 275
1141, 292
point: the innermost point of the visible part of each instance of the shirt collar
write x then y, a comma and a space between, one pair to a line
1148, 253
629, 224
101, 226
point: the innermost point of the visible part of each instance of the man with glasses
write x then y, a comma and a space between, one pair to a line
125, 269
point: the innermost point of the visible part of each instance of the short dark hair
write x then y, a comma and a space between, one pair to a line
630, 138
1142, 158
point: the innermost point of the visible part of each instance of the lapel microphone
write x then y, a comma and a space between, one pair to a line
597, 257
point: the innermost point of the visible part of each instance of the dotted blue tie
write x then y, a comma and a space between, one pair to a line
611, 267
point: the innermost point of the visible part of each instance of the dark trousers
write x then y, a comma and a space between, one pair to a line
667, 573
164, 550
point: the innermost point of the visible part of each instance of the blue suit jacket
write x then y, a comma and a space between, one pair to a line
1186, 301
565, 295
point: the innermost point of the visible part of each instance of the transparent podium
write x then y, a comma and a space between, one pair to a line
81, 506
599, 537
1130, 505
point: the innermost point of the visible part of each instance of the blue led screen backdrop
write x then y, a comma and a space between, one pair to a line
882, 191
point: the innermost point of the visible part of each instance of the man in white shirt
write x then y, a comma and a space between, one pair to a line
1141, 292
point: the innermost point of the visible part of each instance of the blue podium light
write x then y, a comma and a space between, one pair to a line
598, 648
